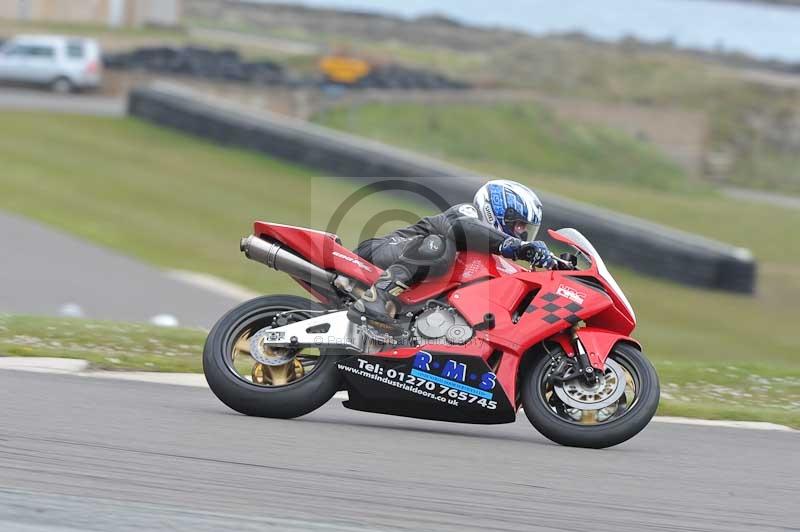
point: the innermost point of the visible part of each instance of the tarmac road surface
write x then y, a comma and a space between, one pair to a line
93, 454
42, 100
43, 270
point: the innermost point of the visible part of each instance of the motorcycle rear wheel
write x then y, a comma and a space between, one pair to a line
255, 395
570, 426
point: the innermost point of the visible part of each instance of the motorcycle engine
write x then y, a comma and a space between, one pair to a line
442, 325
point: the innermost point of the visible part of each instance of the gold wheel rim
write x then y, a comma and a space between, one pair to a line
599, 416
263, 374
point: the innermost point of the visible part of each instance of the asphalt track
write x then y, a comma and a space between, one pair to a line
43, 269
42, 100
93, 454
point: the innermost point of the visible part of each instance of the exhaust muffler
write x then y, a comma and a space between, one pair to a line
276, 257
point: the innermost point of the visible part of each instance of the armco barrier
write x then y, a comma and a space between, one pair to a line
637, 244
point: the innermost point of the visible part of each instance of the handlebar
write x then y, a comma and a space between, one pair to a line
563, 265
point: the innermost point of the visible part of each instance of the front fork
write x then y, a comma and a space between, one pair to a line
584, 365
580, 362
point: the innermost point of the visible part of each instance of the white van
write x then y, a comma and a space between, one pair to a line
65, 64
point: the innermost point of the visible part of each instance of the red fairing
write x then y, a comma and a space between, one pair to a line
476, 348
469, 267
322, 249
498, 297
600, 342
556, 302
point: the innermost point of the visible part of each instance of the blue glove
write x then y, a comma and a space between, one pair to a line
536, 253
540, 256
510, 247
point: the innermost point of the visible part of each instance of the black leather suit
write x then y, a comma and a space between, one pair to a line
429, 246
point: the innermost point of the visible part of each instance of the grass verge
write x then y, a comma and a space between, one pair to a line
723, 390
106, 345
522, 135
730, 390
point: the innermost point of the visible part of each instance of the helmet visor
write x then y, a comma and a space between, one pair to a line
524, 230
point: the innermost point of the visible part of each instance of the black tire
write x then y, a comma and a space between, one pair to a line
62, 85
601, 435
287, 401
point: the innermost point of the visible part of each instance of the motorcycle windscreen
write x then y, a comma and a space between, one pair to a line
576, 239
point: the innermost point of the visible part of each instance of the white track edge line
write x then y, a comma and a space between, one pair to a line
196, 380
212, 284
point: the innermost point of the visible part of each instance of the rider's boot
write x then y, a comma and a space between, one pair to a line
379, 303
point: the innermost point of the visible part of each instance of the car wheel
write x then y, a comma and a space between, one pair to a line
62, 86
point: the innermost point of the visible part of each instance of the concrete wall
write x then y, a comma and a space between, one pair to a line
130, 12
58, 10
637, 244
157, 12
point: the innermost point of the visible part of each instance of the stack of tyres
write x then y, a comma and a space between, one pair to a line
198, 62
264, 73
227, 65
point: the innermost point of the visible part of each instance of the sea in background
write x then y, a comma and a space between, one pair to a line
759, 30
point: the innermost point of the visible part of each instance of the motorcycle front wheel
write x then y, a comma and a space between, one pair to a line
295, 383
612, 411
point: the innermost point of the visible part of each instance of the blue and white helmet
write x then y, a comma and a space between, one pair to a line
510, 207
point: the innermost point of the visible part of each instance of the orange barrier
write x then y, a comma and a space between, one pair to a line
345, 70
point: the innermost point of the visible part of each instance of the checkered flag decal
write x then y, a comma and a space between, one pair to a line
557, 308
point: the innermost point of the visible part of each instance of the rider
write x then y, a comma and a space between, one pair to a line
503, 219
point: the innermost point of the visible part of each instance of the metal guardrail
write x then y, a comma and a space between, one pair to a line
640, 245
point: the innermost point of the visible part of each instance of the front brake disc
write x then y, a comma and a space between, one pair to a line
608, 389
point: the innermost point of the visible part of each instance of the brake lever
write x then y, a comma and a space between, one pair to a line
560, 265
563, 265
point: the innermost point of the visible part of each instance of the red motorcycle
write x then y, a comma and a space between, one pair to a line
472, 346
